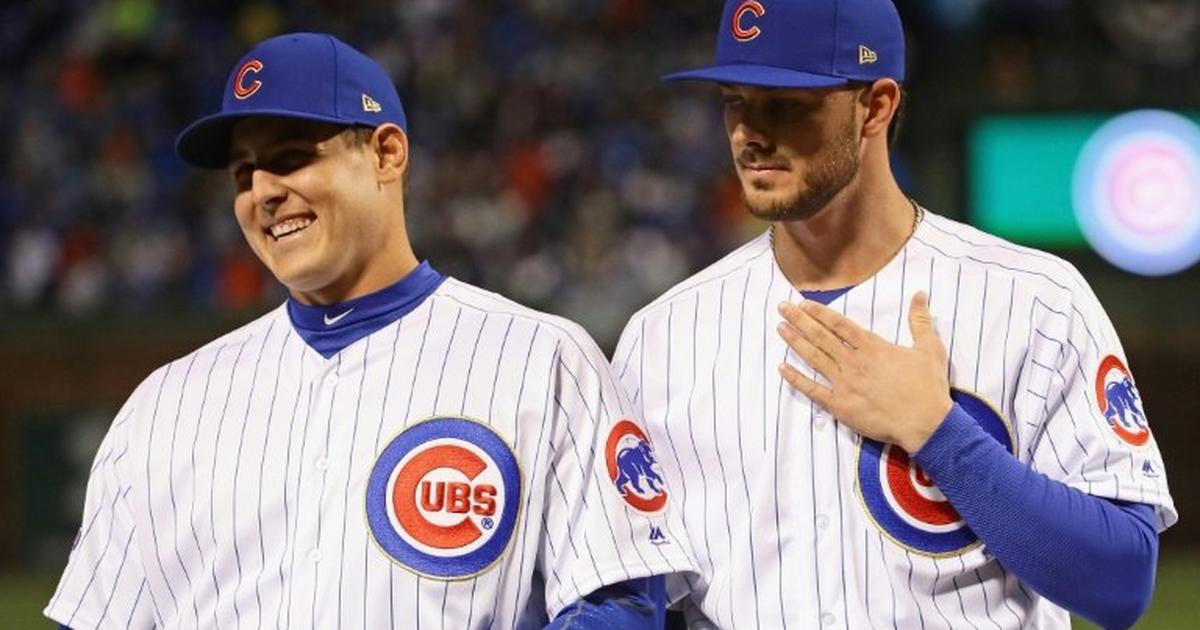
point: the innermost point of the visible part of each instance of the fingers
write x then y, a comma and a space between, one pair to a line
920, 322
815, 391
841, 326
812, 355
820, 335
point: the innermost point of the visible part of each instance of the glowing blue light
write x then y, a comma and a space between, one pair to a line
1136, 192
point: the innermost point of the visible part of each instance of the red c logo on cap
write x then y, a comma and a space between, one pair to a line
747, 34
240, 89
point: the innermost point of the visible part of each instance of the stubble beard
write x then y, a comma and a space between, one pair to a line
825, 178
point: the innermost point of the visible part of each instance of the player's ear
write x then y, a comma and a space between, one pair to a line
389, 144
881, 100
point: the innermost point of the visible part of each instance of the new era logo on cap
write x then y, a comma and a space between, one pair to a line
866, 56
371, 105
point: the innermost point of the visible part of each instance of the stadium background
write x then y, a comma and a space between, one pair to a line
548, 164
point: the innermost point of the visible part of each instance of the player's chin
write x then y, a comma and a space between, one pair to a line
760, 201
296, 270
302, 281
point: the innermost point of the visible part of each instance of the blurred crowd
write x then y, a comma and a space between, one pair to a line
548, 163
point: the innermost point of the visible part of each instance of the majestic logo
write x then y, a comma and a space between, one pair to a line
739, 14
906, 504
633, 468
371, 105
657, 537
1119, 402
1148, 470
866, 56
242, 91
443, 497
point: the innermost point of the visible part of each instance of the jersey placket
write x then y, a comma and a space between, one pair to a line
312, 493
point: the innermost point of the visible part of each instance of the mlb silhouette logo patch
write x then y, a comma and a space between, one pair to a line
633, 468
1120, 403
443, 496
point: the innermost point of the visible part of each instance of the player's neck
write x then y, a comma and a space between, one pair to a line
848, 242
391, 262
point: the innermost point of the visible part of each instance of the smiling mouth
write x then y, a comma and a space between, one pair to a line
289, 227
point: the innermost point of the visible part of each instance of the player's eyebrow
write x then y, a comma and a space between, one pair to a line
300, 131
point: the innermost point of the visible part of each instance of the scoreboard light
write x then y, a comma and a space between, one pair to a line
1137, 192
1127, 186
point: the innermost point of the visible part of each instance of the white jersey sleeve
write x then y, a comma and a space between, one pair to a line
1095, 435
105, 584
609, 517
627, 366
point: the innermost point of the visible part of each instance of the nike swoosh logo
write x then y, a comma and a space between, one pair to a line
329, 321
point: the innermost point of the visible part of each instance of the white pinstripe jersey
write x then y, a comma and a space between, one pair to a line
234, 487
794, 517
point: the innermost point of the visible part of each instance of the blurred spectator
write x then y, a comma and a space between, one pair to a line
547, 163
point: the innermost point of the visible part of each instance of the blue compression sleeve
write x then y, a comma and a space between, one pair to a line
633, 605
1090, 555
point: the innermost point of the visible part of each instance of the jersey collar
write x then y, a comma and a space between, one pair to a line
330, 329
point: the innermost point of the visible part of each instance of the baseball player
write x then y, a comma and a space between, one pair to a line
390, 448
936, 428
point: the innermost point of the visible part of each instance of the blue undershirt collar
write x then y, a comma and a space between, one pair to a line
330, 329
825, 297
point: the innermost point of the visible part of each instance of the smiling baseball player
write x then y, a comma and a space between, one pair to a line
936, 428
390, 448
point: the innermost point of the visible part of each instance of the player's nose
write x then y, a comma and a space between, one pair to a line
747, 131
267, 191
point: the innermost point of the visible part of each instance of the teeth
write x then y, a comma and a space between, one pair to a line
284, 228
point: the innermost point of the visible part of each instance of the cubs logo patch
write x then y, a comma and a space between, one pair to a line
633, 468
741, 33
443, 496
1119, 402
906, 505
242, 91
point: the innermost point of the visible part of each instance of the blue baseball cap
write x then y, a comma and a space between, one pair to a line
805, 44
312, 76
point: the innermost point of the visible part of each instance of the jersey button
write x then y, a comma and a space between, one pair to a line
322, 464
822, 521
314, 555
828, 619
331, 381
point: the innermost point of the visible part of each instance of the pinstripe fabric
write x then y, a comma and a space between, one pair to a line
229, 491
783, 538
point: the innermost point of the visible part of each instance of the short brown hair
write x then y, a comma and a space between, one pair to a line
357, 136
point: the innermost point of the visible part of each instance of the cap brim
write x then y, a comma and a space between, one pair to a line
205, 143
757, 75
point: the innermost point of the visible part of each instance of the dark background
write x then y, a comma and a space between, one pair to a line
548, 164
